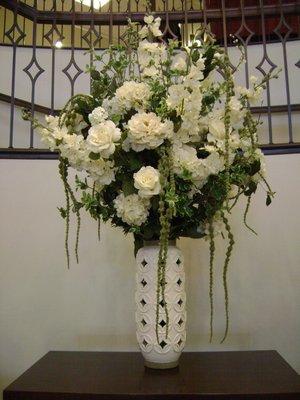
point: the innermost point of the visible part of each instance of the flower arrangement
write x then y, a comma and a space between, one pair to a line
166, 148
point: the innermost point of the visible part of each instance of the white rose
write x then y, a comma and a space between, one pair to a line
132, 209
97, 116
102, 137
147, 131
146, 180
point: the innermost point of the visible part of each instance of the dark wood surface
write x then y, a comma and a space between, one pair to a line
114, 376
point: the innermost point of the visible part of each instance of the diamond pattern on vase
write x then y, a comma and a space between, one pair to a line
33, 69
298, 64
15, 34
171, 346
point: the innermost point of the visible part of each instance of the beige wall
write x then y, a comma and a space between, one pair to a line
44, 306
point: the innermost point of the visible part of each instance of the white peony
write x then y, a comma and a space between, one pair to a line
133, 95
132, 209
101, 171
102, 137
98, 115
147, 131
112, 106
146, 180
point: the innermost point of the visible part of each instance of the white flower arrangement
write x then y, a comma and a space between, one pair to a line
166, 148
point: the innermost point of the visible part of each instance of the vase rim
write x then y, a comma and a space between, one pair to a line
156, 243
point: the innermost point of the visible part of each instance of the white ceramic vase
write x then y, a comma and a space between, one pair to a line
165, 352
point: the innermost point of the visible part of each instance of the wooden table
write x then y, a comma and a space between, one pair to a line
121, 376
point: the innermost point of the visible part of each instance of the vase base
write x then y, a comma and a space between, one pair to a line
156, 365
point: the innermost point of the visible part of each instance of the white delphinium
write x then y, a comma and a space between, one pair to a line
133, 95
196, 73
176, 96
132, 209
79, 124
237, 112
102, 137
146, 180
253, 94
73, 148
179, 62
52, 134
259, 155
98, 115
151, 27
151, 56
147, 131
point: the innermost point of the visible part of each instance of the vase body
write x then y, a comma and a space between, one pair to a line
165, 352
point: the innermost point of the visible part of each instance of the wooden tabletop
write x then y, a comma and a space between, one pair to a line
113, 376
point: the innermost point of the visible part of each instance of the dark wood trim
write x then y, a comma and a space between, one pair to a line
26, 104
103, 18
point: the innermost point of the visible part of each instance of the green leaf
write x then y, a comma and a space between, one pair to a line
252, 186
268, 200
94, 156
255, 167
62, 211
128, 187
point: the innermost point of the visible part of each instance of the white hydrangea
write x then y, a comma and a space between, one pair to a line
132, 209
151, 56
146, 180
214, 163
185, 158
102, 137
151, 27
259, 155
133, 95
147, 131
98, 115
